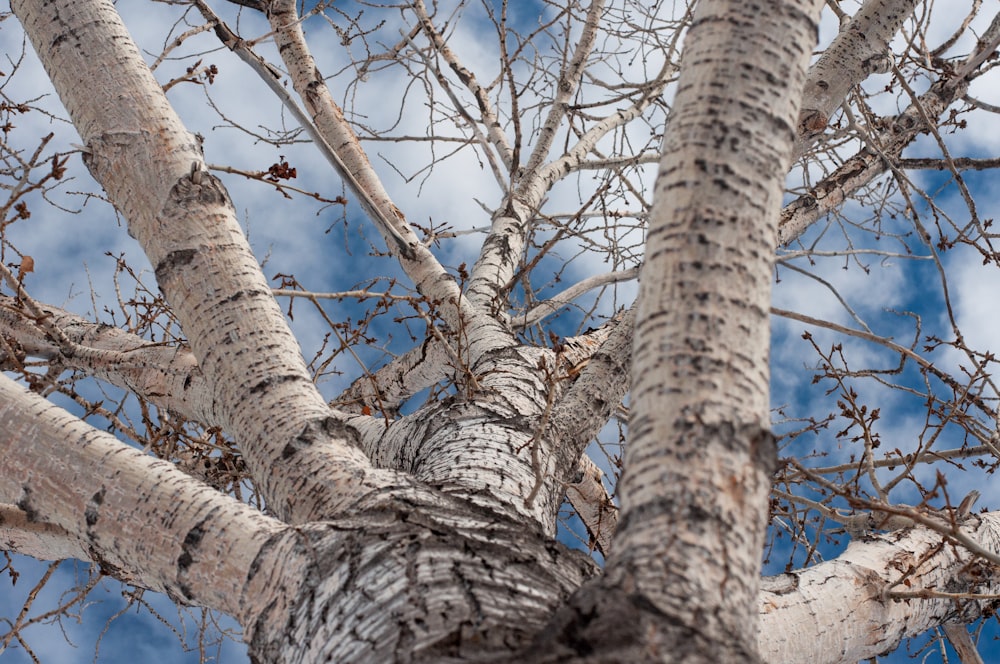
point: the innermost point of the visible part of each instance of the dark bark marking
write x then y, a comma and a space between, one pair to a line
608, 624
24, 504
782, 584
92, 513
692, 513
190, 545
235, 297
192, 541
209, 191
272, 381
320, 430
172, 261
764, 451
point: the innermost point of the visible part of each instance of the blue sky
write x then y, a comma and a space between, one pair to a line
328, 248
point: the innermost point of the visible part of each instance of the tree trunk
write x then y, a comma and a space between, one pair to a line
430, 537
412, 573
684, 572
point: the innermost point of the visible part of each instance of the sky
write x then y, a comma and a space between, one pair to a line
328, 247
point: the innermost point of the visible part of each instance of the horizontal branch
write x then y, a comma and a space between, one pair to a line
167, 375
941, 164
87, 494
844, 610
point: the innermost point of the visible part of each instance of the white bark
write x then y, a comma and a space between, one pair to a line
398, 380
825, 89
860, 50
140, 519
480, 332
504, 245
700, 453
869, 164
166, 375
845, 610
152, 170
452, 558
405, 574
883, 145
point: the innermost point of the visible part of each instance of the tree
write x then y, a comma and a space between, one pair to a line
413, 516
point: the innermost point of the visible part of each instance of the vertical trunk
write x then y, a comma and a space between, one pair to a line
700, 452
684, 573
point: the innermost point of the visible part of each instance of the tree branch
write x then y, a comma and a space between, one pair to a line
166, 375
139, 518
569, 82
859, 50
152, 170
868, 163
429, 277
488, 115
841, 610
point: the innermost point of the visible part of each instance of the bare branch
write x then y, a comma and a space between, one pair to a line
488, 116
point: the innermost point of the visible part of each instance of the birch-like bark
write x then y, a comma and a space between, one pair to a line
415, 574
684, 571
166, 375
395, 382
870, 163
487, 447
884, 146
152, 170
592, 399
170, 378
878, 592
825, 89
439, 584
476, 333
504, 246
140, 519
408, 575
860, 50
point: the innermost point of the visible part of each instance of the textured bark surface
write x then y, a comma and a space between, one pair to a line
421, 578
430, 537
139, 518
860, 50
867, 600
684, 571
305, 460
152, 169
